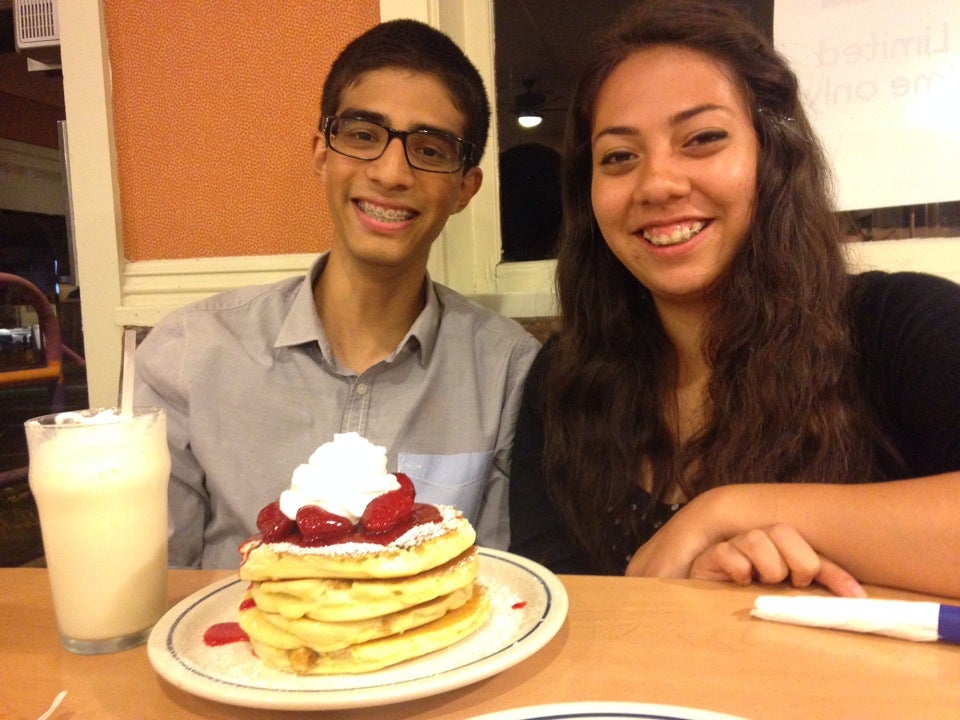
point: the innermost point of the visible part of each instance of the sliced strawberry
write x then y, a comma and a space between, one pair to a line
315, 523
387, 510
273, 524
406, 484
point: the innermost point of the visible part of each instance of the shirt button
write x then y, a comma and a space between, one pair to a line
362, 388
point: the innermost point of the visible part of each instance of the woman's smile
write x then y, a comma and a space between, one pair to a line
671, 233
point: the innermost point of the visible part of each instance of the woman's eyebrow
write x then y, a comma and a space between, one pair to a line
689, 113
673, 120
615, 130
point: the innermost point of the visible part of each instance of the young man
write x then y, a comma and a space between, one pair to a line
254, 380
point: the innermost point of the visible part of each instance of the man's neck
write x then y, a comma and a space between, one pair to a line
366, 314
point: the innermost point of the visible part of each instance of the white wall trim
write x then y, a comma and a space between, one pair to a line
153, 288
95, 196
466, 256
936, 256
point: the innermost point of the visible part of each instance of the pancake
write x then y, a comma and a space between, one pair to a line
383, 652
339, 600
328, 595
289, 634
422, 548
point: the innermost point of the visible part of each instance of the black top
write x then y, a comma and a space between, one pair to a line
906, 328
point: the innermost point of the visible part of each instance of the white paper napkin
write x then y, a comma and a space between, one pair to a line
909, 620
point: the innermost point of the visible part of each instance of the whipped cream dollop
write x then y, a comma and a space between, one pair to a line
341, 476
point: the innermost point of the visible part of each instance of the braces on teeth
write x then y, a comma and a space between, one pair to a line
386, 214
677, 236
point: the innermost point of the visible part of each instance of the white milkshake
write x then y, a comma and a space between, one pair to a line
100, 482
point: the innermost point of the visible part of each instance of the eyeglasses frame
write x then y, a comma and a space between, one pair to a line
466, 152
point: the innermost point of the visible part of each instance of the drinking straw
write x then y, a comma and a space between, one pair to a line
56, 703
126, 388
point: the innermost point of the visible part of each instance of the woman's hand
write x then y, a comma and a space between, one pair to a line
698, 543
771, 555
899, 533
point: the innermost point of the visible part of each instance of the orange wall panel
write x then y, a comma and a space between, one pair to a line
215, 107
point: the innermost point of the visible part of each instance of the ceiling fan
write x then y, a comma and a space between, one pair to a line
530, 105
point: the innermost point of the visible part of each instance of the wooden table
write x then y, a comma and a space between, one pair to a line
672, 642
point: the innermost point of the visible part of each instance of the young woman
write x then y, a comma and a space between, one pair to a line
723, 400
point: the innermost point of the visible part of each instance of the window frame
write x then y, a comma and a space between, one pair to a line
467, 255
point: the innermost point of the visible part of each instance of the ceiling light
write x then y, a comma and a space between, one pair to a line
529, 119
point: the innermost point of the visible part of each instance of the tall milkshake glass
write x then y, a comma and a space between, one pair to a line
100, 481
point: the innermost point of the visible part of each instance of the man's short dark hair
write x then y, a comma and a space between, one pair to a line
412, 45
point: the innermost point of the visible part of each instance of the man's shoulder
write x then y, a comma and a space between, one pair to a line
462, 311
239, 304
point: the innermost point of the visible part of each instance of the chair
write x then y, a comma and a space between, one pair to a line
19, 528
52, 371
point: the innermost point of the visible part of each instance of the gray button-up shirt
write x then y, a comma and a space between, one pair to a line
251, 388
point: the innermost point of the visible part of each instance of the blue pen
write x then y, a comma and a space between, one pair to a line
907, 619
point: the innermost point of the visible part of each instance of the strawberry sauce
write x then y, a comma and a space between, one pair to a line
224, 634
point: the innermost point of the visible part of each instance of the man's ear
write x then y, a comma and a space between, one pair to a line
469, 185
319, 154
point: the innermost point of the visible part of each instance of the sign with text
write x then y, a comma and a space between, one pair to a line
881, 83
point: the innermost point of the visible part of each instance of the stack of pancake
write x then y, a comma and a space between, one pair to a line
355, 607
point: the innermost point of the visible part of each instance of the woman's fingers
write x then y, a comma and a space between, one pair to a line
743, 558
772, 555
838, 581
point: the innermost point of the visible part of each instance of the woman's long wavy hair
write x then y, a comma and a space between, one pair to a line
783, 403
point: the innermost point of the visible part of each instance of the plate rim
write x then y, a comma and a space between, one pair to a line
606, 709
165, 658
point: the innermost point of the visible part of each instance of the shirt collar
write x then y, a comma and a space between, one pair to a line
302, 324
423, 333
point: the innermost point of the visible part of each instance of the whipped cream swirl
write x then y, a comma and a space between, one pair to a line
341, 476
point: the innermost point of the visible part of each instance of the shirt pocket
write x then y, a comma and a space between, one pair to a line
448, 479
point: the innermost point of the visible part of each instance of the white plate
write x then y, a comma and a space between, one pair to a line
529, 607
605, 711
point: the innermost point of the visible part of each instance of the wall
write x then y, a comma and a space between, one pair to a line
215, 105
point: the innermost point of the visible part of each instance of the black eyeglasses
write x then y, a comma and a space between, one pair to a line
429, 150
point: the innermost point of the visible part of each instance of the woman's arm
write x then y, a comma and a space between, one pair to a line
903, 533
